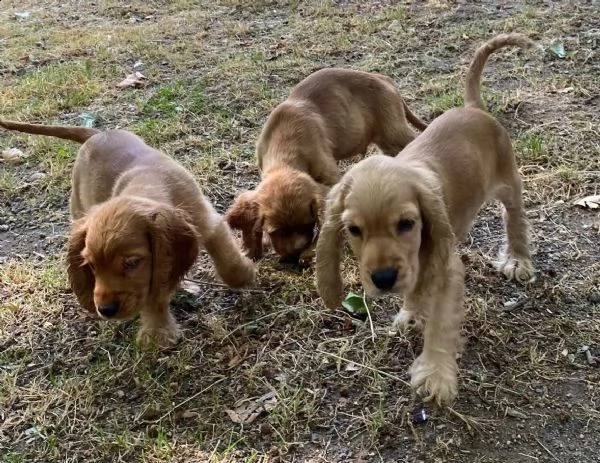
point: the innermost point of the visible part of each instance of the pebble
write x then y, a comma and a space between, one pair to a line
594, 298
36, 176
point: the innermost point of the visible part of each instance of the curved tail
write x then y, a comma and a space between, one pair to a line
413, 118
74, 133
473, 84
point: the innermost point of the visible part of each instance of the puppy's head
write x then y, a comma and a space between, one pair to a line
396, 226
286, 206
129, 254
289, 206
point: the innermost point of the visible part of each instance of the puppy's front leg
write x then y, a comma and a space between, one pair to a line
434, 372
158, 326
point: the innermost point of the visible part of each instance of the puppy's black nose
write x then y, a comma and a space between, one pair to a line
384, 278
109, 310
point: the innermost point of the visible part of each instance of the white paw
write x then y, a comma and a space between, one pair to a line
435, 379
406, 320
519, 270
163, 338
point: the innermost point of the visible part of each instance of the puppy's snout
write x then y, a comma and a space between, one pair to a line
292, 258
384, 278
109, 310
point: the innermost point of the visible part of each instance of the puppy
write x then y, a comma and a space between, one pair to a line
333, 114
403, 217
140, 221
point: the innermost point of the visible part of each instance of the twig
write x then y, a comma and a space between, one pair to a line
369, 317
257, 320
191, 398
383, 373
547, 450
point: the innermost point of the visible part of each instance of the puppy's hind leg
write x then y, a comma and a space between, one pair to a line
394, 134
514, 259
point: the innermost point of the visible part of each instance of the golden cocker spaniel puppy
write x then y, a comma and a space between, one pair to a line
403, 217
140, 221
332, 114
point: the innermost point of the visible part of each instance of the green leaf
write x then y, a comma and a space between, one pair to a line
557, 47
355, 303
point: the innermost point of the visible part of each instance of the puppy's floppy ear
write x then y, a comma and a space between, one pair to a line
175, 247
244, 214
329, 248
81, 278
437, 238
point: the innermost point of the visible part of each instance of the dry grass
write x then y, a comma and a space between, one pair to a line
72, 389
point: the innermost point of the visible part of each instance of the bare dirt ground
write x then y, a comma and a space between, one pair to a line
73, 389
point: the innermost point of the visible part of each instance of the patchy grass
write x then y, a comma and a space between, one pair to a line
76, 389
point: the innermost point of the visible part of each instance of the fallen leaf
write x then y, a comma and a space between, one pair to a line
589, 202
13, 156
247, 410
355, 304
191, 287
136, 80
558, 48
351, 366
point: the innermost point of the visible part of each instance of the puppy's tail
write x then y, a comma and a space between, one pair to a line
74, 133
473, 84
413, 118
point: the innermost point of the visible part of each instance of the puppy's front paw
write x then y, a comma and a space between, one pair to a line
406, 320
163, 338
520, 270
240, 275
435, 378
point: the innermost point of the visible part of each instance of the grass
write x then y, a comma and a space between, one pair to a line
75, 389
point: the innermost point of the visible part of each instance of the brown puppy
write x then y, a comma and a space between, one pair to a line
333, 114
404, 215
140, 220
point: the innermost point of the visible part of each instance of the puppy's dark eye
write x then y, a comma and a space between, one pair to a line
131, 263
354, 230
405, 225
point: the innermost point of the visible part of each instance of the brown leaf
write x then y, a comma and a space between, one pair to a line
136, 80
247, 410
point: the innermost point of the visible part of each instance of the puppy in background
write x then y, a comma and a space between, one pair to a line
331, 115
140, 221
403, 217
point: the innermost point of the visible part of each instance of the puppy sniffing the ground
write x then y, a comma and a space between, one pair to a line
140, 221
403, 217
331, 115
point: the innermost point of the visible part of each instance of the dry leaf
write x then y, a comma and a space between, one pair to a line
589, 202
246, 410
136, 80
191, 287
13, 156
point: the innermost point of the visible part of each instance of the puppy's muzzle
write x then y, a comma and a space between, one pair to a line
109, 310
384, 278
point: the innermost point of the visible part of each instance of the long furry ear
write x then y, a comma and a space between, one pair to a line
244, 215
329, 248
81, 277
175, 247
437, 239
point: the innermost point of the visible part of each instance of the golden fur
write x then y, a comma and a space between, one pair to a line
140, 221
404, 215
331, 115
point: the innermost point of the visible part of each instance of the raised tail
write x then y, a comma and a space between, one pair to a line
413, 118
473, 82
74, 133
